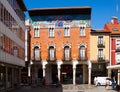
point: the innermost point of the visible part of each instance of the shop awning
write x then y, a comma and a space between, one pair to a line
113, 67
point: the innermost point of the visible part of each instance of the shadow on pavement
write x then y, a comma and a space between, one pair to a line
48, 88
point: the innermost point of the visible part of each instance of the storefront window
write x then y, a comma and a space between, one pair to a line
2, 77
9, 82
16, 77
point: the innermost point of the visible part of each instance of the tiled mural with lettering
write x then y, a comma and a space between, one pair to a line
60, 20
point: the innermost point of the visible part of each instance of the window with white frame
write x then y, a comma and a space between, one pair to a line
36, 32
15, 51
82, 31
118, 44
82, 51
51, 52
117, 57
66, 31
100, 39
37, 53
100, 53
51, 32
67, 52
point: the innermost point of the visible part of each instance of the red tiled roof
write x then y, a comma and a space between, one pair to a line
113, 28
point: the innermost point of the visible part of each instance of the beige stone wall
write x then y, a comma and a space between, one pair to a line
107, 47
94, 47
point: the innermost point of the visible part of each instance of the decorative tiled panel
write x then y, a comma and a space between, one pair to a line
60, 20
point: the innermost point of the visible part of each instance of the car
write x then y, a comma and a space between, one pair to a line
102, 80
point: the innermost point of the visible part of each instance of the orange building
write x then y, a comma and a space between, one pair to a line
60, 44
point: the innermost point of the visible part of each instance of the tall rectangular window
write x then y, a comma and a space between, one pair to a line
37, 54
36, 32
82, 31
51, 53
118, 44
67, 31
117, 57
100, 39
51, 32
82, 53
100, 53
67, 53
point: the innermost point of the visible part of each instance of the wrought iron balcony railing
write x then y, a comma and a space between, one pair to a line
82, 58
34, 58
51, 59
101, 58
101, 44
66, 58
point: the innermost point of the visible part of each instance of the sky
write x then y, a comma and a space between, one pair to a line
102, 10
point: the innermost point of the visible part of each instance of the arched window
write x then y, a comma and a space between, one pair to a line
36, 53
51, 53
82, 53
67, 53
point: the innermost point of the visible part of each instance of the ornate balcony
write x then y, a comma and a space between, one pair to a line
36, 58
101, 58
82, 58
66, 59
51, 59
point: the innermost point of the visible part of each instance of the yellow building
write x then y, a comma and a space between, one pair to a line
99, 52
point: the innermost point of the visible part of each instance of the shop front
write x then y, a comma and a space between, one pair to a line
79, 74
9, 76
66, 74
98, 69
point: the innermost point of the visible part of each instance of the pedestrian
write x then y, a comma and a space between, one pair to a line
113, 83
107, 83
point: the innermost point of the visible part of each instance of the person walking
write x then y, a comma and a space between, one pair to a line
113, 83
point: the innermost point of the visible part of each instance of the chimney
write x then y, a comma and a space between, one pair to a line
114, 20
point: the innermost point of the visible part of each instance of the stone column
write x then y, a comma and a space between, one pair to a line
118, 77
44, 67
74, 75
109, 72
74, 71
59, 67
89, 72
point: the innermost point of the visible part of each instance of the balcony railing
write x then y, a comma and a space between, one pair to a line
101, 44
51, 59
36, 58
82, 58
66, 58
101, 58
